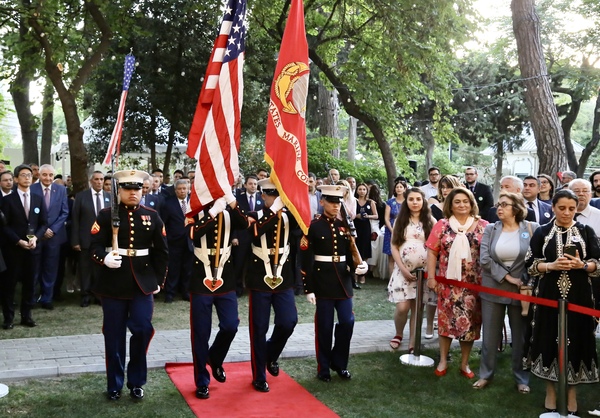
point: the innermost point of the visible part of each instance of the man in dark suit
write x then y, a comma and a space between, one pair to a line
88, 203
57, 208
181, 249
482, 192
511, 184
249, 200
531, 188
26, 223
149, 200
129, 276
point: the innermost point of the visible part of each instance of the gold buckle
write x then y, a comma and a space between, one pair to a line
272, 251
335, 258
131, 252
212, 251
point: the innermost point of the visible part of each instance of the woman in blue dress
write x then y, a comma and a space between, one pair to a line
392, 209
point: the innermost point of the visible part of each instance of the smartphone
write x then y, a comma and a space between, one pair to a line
570, 249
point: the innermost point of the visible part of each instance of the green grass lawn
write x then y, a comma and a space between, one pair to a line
68, 318
381, 387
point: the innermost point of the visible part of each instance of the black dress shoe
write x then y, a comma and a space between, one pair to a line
185, 297
168, 299
48, 306
260, 386
136, 392
113, 395
273, 368
85, 302
202, 392
219, 374
343, 373
28, 322
324, 377
356, 286
8, 325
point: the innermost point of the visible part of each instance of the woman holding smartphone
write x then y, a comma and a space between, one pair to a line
564, 256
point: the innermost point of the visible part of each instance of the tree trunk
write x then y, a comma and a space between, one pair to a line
328, 109
499, 167
352, 139
19, 91
591, 146
353, 109
47, 122
540, 103
567, 124
429, 143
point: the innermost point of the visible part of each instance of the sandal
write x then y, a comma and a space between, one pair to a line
480, 384
522, 388
395, 342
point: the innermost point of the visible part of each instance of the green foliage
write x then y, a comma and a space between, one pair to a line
320, 157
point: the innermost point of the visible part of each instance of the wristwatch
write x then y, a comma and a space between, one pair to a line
585, 266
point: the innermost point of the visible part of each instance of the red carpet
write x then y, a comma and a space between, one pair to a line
237, 397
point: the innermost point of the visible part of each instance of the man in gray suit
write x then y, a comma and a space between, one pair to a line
85, 208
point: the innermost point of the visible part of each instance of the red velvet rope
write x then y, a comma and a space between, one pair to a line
512, 295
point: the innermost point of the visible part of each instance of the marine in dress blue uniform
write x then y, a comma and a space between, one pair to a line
327, 268
128, 279
213, 286
270, 284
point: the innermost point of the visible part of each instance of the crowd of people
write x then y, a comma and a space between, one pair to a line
538, 236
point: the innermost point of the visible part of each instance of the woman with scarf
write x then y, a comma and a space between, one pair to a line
454, 243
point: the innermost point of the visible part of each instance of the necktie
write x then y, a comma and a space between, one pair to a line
472, 189
98, 203
530, 204
183, 206
143, 201
26, 205
251, 202
47, 197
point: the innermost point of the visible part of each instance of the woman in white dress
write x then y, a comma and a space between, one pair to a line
411, 230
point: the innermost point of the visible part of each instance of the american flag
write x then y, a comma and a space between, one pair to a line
214, 138
114, 146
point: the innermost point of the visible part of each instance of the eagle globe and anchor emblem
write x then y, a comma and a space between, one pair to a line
293, 78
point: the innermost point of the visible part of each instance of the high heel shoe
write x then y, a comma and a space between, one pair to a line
441, 373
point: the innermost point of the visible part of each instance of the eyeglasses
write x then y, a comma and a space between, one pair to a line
470, 174
578, 191
503, 205
25, 175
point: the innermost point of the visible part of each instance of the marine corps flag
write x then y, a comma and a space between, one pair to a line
285, 146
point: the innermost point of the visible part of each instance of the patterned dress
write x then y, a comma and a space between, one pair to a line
459, 309
414, 255
575, 286
387, 237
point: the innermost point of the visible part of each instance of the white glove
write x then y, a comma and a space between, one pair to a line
362, 268
157, 290
218, 207
277, 205
310, 298
112, 260
229, 197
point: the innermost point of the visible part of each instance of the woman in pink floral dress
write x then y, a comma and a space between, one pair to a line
454, 243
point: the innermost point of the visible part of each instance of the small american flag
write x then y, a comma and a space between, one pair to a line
214, 138
114, 146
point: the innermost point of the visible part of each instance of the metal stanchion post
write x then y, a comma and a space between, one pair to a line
415, 358
561, 397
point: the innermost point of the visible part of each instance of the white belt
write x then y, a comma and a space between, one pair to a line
131, 252
211, 251
258, 250
330, 258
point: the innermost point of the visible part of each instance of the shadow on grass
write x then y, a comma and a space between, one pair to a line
381, 387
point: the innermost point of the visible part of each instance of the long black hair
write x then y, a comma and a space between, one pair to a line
398, 234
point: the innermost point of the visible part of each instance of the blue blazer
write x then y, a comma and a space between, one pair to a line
58, 212
595, 202
152, 201
545, 212
174, 220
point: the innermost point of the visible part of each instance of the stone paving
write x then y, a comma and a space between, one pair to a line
55, 356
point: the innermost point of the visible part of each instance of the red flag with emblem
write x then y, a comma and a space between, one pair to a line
285, 146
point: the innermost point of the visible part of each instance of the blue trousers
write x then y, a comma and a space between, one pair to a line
263, 351
47, 269
120, 314
201, 317
336, 357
